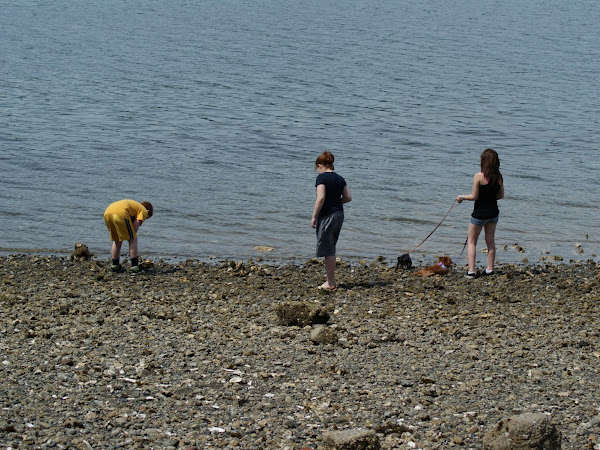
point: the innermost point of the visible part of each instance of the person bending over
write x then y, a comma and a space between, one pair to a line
123, 219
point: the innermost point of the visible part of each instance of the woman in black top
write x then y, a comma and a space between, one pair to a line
488, 188
328, 213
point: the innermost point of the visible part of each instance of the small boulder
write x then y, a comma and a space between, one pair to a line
351, 440
529, 431
301, 314
81, 253
264, 248
148, 266
323, 335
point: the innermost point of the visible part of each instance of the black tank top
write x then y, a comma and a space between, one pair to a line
486, 205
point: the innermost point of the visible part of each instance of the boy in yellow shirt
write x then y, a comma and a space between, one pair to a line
123, 218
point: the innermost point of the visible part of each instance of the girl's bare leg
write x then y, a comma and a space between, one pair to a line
330, 270
473, 235
490, 232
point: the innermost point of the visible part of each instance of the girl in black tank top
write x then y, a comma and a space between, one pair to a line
488, 188
486, 205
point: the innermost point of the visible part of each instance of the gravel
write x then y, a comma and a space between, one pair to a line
194, 355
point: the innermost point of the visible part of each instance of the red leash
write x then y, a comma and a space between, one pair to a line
444, 218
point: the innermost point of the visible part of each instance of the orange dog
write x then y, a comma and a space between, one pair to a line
441, 268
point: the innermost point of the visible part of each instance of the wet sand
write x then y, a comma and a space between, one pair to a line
195, 354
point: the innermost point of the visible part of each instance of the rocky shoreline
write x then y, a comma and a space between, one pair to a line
196, 355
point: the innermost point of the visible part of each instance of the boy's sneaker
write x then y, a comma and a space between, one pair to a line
485, 273
136, 270
471, 275
117, 268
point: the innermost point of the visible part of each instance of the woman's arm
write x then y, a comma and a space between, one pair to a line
500, 195
318, 204
477, 179
346, 196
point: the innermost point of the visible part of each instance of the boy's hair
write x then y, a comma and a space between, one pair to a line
148, 207
326, 159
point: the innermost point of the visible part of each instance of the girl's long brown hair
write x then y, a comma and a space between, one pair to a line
490, 166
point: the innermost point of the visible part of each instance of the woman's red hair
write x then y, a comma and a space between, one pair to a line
325, 159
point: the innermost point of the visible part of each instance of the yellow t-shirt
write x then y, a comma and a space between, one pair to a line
128, 209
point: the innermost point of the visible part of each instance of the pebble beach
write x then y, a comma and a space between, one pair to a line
204, 355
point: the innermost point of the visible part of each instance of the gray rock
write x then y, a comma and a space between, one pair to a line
323, 335
523, 432
351, 440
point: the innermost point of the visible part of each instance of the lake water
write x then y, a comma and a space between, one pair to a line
215, 111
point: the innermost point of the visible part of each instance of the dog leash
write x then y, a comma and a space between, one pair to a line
463, 249
437, 226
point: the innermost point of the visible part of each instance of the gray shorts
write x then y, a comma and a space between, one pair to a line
328, 232
482, 222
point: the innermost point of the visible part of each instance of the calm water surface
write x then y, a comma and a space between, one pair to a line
216, 110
